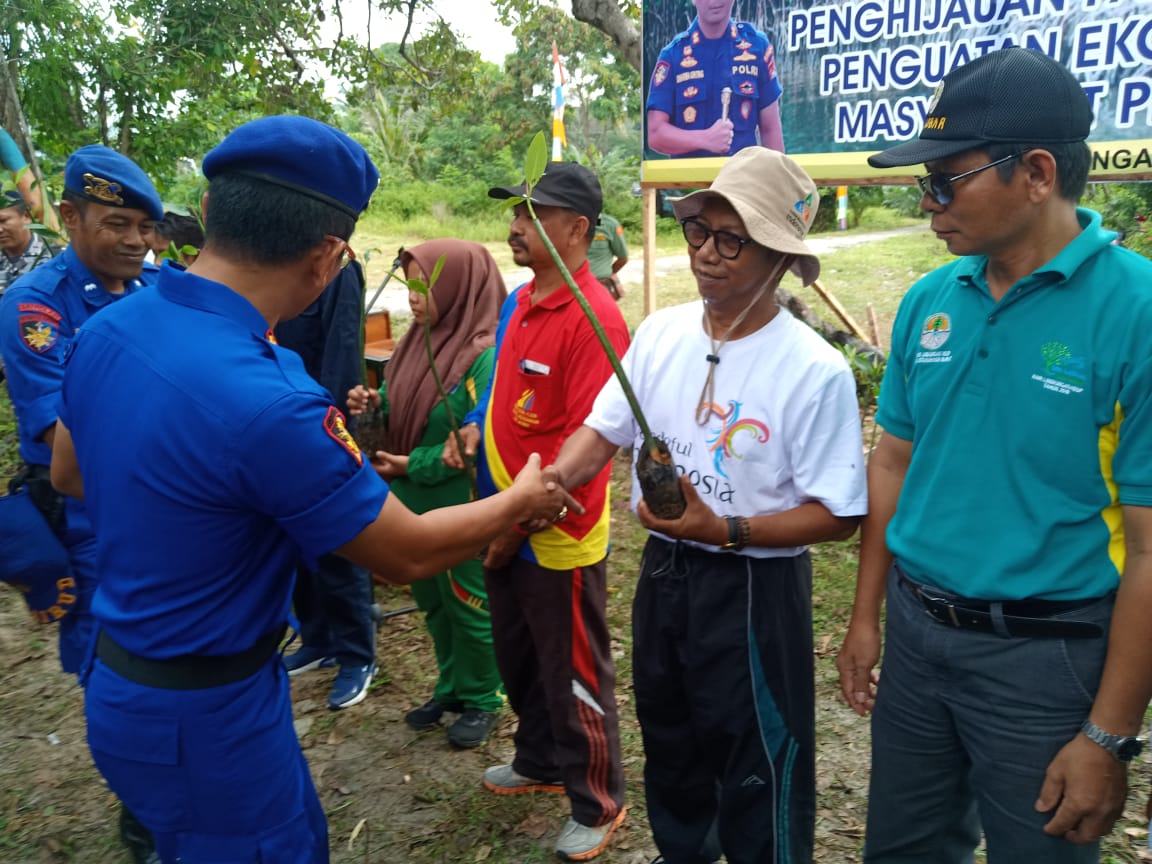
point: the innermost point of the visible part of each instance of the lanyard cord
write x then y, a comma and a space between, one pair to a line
705, 407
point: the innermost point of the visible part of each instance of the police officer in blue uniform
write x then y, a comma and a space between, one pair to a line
210, 461
714, 89
109, 207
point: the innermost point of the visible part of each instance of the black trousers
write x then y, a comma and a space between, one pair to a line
550, 633
724, 682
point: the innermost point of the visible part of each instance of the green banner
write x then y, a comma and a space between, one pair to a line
857, 75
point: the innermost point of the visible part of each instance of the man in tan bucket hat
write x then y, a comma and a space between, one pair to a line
760, 415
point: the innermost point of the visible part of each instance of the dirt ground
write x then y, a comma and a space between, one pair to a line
393, 795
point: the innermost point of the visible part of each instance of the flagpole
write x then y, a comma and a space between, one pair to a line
559, 141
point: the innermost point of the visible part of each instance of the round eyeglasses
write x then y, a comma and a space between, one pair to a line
727, 244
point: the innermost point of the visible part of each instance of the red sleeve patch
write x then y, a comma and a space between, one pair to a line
660, 73
338, 432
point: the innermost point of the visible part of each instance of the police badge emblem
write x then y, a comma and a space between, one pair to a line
102, 190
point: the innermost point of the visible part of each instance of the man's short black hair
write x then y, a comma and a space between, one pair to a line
77, 201
1073, 159
263, 223
181, 230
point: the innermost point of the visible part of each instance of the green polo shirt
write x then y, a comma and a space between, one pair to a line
1030, 421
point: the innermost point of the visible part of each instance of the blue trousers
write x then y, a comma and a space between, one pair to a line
964, 728
78, 627
217, 775
334, 605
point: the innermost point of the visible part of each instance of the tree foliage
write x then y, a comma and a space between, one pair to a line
166, 79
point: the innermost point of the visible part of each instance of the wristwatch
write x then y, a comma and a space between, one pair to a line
1124, 747
739, 533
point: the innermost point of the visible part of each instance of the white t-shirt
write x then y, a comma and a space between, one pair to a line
785, 431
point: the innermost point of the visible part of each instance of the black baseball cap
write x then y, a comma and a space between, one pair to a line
564, 184
1014, 94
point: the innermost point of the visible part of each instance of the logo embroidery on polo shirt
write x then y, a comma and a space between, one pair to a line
338, 432
39, 326
933, 334
1063, 372
522, 413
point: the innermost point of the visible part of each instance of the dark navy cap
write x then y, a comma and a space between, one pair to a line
12, 198
564, 184
103, 176
1013, 95
301, 154
33, 560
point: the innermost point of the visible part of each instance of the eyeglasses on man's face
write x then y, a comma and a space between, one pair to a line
938, 185
727, 244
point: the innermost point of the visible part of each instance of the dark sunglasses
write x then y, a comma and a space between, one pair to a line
938, 186
727, 244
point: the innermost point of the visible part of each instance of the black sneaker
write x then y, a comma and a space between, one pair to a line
428, 715
472, 728
137, 839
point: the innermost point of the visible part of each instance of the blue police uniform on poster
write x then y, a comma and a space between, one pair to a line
692, 71
40, 315
203, 496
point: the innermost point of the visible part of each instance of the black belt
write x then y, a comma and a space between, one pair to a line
188, 672
1027, 618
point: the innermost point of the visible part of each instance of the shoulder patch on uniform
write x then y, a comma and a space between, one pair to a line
660, 73
39, 326
338, 432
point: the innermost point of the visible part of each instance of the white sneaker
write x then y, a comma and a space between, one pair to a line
582, 842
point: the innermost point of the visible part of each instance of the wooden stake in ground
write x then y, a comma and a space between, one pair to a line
874, 327
841, 313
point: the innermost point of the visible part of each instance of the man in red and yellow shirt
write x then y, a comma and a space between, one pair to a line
547, 590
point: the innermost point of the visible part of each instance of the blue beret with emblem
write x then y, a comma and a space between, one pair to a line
301, 154
100, 174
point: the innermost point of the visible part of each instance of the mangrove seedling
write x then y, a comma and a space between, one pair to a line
655, 469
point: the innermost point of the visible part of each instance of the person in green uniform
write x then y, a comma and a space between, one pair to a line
463, 309
608, 254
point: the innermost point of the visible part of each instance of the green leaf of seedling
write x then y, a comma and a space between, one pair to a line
535, 161
436, 271
418, 286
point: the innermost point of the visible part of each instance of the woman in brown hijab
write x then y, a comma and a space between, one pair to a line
463, 309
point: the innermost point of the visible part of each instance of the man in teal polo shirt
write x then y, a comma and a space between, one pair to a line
1010, 492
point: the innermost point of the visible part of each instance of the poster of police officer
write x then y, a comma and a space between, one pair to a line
832, 82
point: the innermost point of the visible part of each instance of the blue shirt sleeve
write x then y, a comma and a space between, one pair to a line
770, 89
300, 466
661, 90
10, 154
477, 414
32, 347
